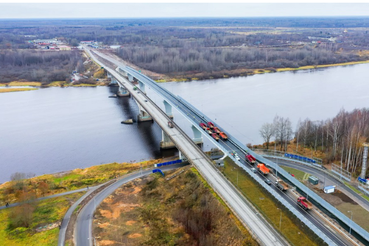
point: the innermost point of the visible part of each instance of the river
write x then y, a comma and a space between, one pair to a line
56, 129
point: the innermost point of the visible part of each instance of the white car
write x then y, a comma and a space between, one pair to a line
237, 157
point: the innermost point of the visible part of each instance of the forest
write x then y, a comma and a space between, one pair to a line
340, 138
205, 47
40, 66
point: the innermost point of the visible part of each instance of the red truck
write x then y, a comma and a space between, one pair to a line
304, 203
250, 159
203, 126
223, 136
211, 125
215, 136
262, 169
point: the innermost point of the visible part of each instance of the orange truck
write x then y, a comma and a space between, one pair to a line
304, 203
223, 135
262, 169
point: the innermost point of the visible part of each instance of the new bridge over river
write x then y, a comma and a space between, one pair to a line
262, 231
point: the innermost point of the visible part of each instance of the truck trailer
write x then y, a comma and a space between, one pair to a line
281, 185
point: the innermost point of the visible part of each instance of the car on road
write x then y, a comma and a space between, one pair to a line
253, 169
267, 181
237, 157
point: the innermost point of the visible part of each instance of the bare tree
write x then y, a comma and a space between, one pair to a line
267, 131
283, 131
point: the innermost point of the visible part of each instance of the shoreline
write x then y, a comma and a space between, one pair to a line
241, 72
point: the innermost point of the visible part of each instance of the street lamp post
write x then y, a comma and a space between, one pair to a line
350, 221
280, 218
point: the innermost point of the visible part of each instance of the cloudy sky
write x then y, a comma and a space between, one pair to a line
139, 10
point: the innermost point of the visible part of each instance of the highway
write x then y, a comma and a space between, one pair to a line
324, 179
229, 145
83, 226
257, 225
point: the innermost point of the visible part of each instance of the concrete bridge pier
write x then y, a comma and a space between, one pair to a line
143, 115
123, 92
166, 142
197, 135
182, 156
168, 109
142, 86
113, 81
130, 77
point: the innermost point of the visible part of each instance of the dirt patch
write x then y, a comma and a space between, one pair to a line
103, 225
155, 211
332, 199
106, 213
130, 222
135, 235
343, 197
106, 242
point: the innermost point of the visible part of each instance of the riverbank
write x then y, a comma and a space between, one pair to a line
4, 90
51, 184
242, 72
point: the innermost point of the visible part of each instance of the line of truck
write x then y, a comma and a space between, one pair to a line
214, 131
279, 183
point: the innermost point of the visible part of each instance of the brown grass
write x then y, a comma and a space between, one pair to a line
21, 83
3, 90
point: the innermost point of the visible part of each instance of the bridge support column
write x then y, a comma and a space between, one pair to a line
197, 135
168, 109
113, 81
123, 92
130, 77
166, 142
142, 86
182, 156
143, 115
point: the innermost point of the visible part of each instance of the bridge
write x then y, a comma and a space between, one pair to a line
124, 75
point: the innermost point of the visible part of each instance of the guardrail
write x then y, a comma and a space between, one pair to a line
291, 208
312, 160
312, 195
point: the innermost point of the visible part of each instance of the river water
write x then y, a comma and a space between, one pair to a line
56, 129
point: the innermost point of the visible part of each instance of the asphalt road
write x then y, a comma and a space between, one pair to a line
325, 180
83, 226
46, 197
335, 237
196, 156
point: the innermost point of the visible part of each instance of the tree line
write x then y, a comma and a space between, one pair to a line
41, 66
340, 138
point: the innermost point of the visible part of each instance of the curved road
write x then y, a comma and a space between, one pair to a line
83, 226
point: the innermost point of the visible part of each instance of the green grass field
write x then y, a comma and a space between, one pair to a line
293, 230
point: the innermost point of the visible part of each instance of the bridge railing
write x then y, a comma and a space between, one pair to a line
291, 208
312, 195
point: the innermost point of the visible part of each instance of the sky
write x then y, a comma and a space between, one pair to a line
157, 10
